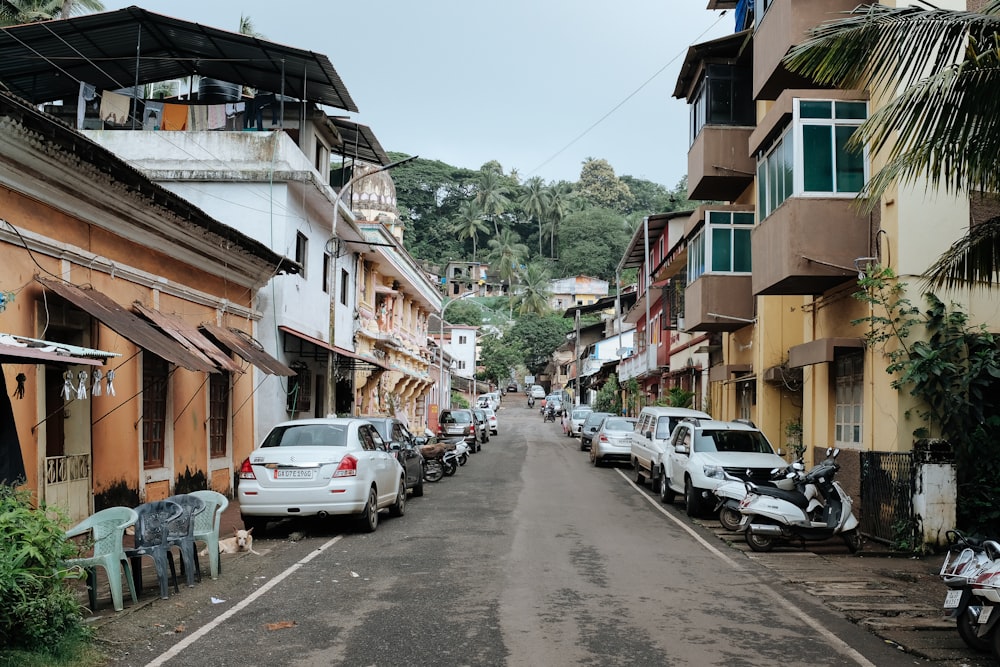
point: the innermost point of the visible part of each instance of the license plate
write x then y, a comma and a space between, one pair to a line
952, 599
984, 614
293, 473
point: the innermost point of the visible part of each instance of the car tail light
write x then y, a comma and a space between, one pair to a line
246, 470
348, 467
467, 430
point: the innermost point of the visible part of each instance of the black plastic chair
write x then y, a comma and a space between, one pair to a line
180, 534
152, 539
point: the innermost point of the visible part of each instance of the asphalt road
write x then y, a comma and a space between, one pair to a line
527, 556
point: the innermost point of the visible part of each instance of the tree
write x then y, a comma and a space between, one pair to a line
592, 243
507, 254
533, 292
491, 195
599, 186
535, 201
468, 223
16, 12
944, 125
498, 356
538, 336
465, 311
561, 200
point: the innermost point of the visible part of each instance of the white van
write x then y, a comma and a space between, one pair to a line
651, 438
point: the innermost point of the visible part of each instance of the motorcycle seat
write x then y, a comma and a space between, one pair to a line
794, 497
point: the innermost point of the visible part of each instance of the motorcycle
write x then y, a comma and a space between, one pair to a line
462, 452
550, 415
531, 402
771, 514
439, 460
731, 492
967, 559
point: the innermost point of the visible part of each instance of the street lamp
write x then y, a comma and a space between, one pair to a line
444, 307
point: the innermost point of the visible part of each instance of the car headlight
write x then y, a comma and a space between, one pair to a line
714, 472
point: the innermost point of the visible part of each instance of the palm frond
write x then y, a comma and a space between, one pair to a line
972, 260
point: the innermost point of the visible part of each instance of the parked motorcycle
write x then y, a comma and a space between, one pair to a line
733, 490
462, 452
771, 514
436, 465
966, 560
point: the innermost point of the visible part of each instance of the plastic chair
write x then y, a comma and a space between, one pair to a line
107, 529
180, 534
151, 539
207, 525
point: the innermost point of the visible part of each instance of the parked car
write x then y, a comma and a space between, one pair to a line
576, 419
589, 428
320, 467
611, 442
537, 391
488, 400
459, 422
512, 388
491, 418
403, 446
651, 439
701, 450
483, 424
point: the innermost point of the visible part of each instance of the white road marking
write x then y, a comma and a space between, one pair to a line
838, 644
208, 627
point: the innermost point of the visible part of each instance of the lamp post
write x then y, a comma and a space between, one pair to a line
444, 307
331, 380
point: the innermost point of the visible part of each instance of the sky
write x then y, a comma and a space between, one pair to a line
538, 85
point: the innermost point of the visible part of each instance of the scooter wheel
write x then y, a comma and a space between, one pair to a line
463, 459
730, 518
449, 468
760, 543
853, 541
968, 628
433, 472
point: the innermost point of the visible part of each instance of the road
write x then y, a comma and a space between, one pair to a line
527, 556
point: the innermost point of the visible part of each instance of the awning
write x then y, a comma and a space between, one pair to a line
723, 372
242, 344
820, 351
359, 141
129, 325
188, 336
19, 349
357, 362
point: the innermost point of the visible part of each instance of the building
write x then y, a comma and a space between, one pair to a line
576, 291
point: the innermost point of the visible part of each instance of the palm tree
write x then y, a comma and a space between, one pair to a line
533, 296
535, 202
507, 254
560, 202
491, 195
468, 223
945, 125
16, 12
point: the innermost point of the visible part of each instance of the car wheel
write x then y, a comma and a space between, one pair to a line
257, 524
692, 503
730, 518
418, 490
666, 493
582, 448
398, 508
595, 459
640, 479
368, 521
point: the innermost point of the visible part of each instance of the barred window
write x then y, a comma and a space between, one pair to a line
849, 378
155, 380
218, 414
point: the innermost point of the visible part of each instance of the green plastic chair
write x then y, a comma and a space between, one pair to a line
207, 525
107, 529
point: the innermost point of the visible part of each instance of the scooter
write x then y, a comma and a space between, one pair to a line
771, 514
966, 560
733, 490
462, 452
550, 414
531, 402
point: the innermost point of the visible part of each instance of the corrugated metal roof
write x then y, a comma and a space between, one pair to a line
129, 325
241, 343
46, 61
359, 142
188, 336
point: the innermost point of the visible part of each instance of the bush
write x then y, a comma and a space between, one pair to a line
38, 609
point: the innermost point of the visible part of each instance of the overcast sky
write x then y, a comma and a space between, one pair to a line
518, 81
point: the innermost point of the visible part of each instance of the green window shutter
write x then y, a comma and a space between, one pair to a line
817, 156
741, 250
850, 165
722, 250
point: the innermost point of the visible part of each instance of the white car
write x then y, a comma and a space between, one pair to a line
576, 419
611, 442
319, 468
491, 418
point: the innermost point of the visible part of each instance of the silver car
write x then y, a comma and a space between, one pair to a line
318, 468
576, 419
612, 442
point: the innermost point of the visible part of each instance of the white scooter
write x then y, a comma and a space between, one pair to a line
730, 493
771, 514
969, 560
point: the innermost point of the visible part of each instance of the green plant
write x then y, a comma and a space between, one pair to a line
632, 392
677, 397
38, 609
608, 397
458, 400
793, 438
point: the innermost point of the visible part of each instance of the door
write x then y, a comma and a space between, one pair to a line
66, 434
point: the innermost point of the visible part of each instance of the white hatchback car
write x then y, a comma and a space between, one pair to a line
491, 418
319, 468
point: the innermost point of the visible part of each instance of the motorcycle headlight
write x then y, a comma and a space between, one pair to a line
714, 472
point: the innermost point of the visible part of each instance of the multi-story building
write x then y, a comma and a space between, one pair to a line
565, 293
773, 267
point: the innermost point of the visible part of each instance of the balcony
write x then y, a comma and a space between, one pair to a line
719, 165
808, 245
784, 25
638, 365
718, 302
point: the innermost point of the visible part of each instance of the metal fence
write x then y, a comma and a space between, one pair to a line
887, 487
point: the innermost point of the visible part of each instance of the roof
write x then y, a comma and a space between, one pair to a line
635, 252
731, 47
359, 141
48, 60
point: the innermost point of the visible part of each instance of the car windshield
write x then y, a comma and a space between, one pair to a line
318, 435
580, 414
619, 424
665, 426
456, 418
595, 418
732, 441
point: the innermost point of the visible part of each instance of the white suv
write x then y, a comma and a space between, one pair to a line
702, 449
650, 439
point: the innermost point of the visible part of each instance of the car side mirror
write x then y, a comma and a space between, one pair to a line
681, 449
648, 434
419, 441
395, 446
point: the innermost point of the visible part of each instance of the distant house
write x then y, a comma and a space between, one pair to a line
577, 291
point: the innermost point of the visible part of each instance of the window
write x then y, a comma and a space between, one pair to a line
760, 8
326, 272
462, 340
849, 376
345, 286
723, 98
155, 380
673, 301
299, 397
722, 246
218, 414
811, 156
301, 248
